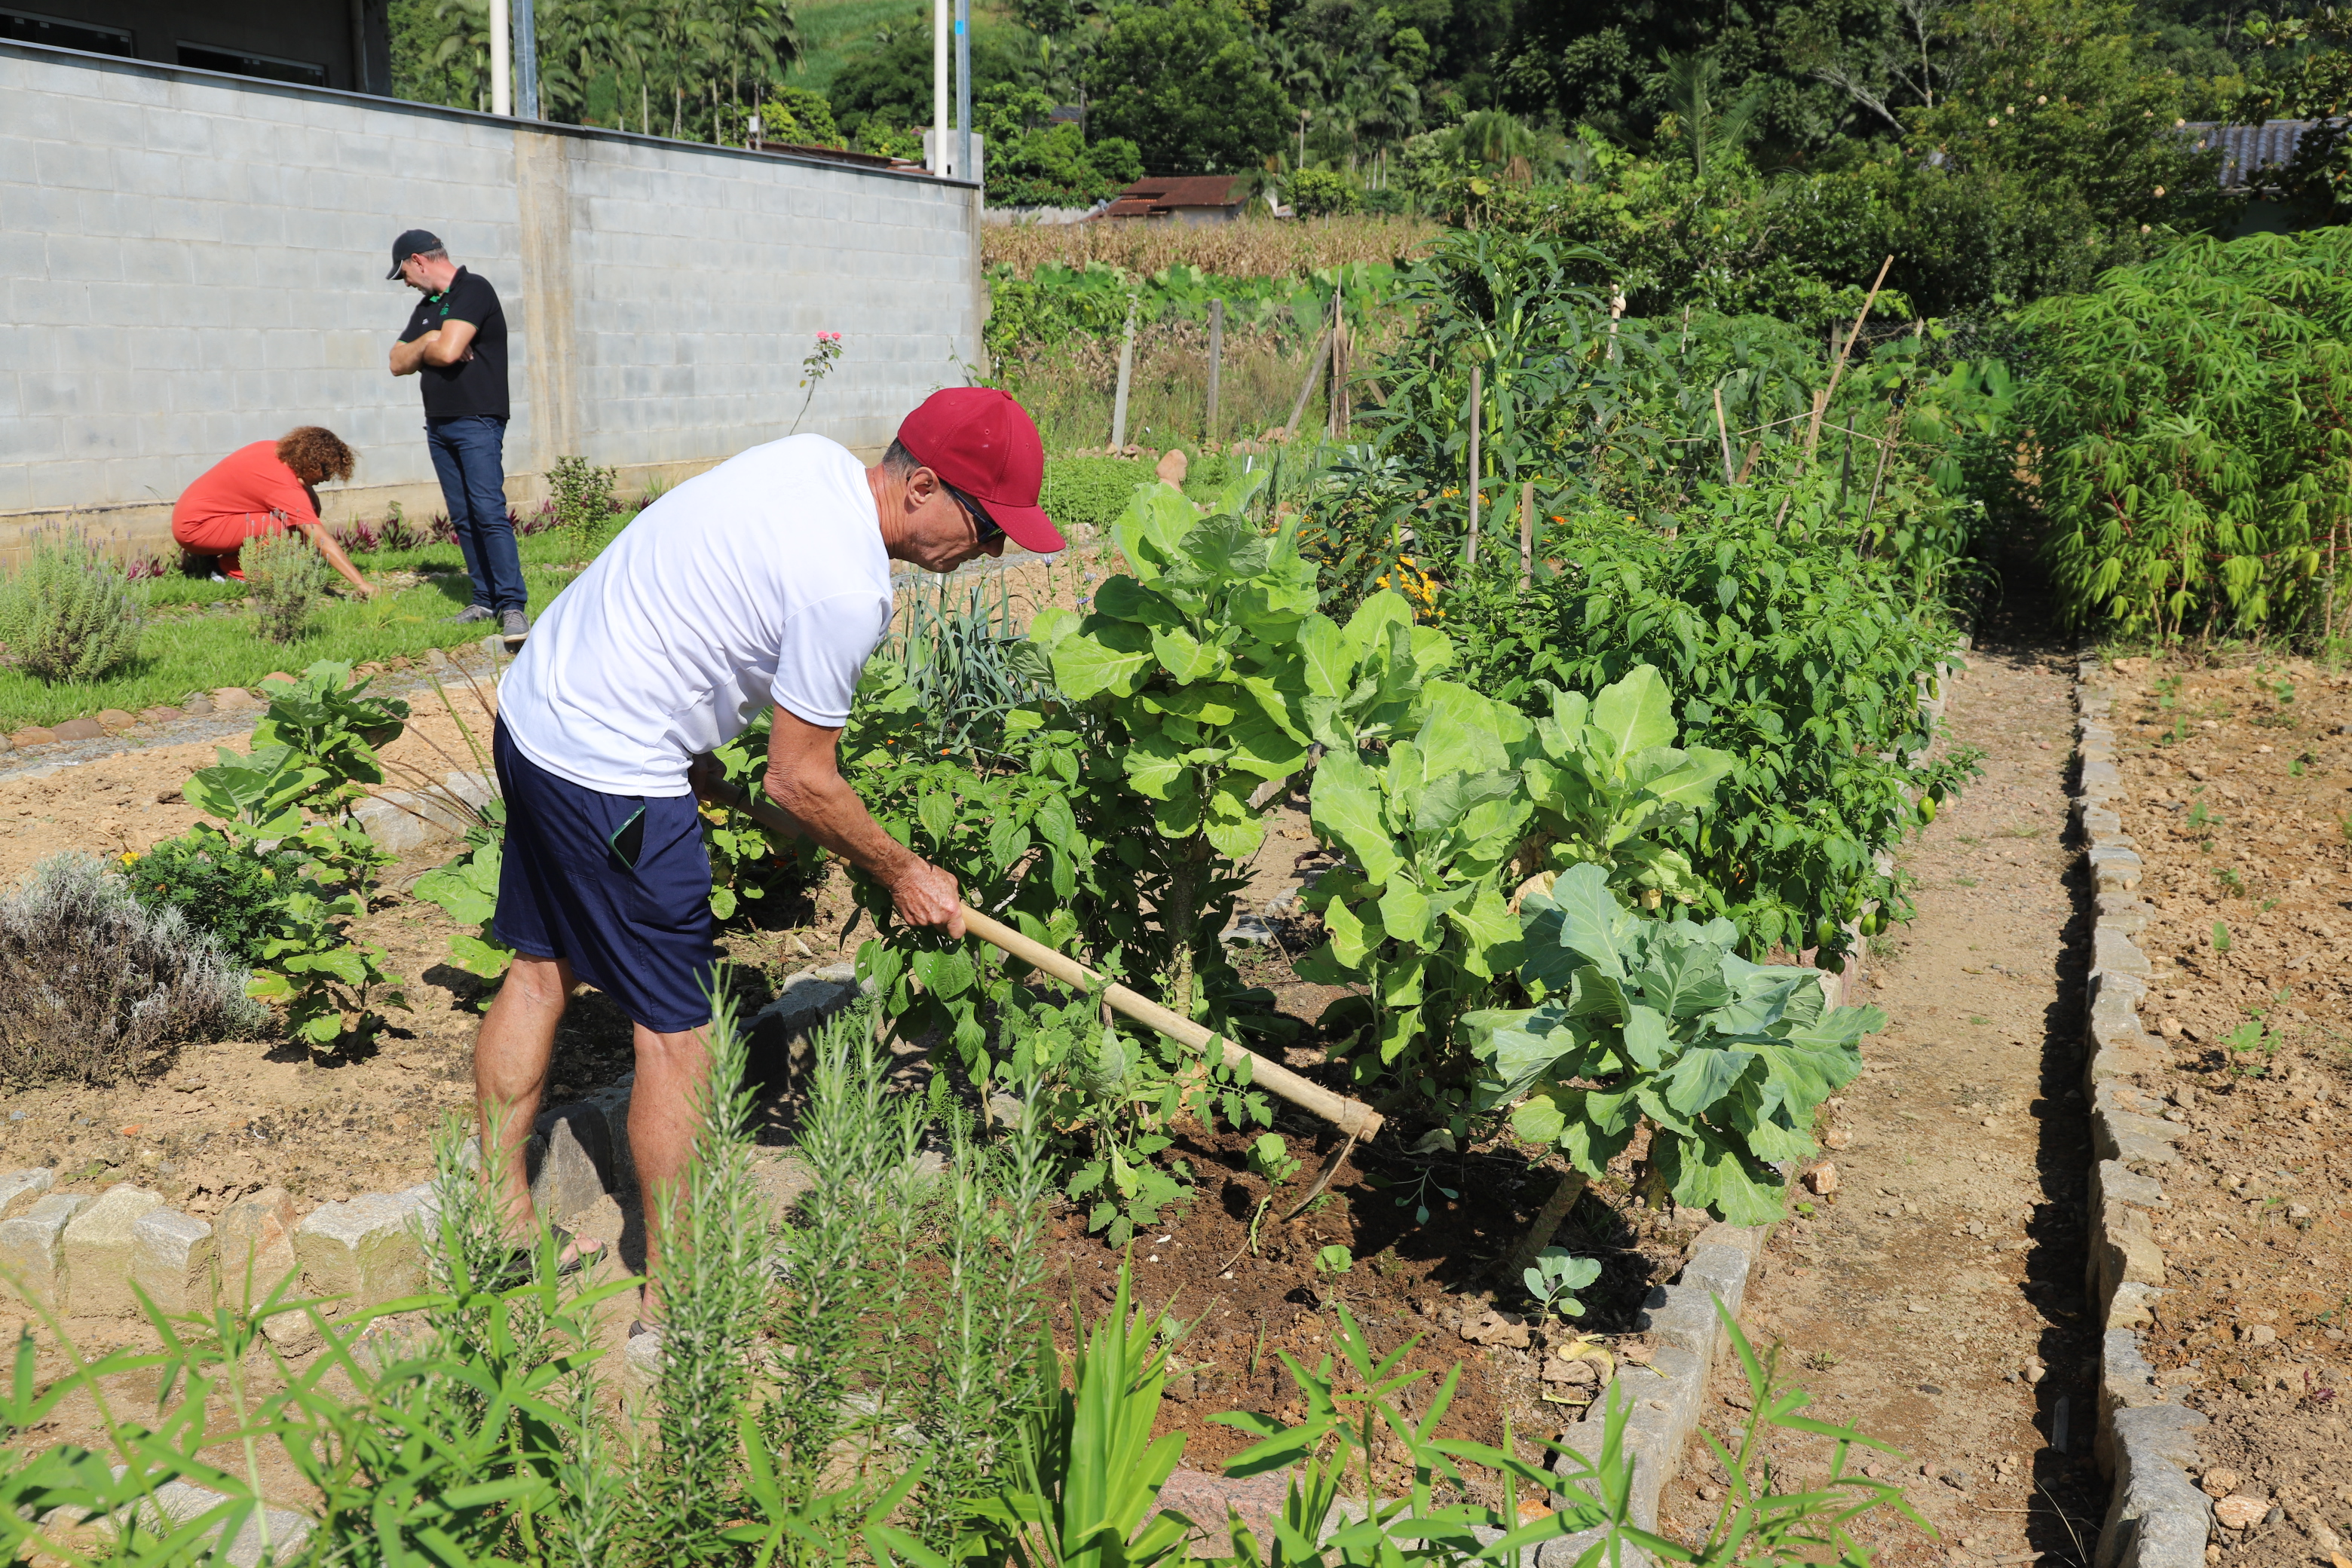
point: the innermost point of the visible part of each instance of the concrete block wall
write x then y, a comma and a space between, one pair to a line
193, 261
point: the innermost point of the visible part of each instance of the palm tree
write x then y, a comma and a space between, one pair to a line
1709, 129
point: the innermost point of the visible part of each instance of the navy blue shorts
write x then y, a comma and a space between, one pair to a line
616, 886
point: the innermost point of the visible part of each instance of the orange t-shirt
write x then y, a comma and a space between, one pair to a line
250, 483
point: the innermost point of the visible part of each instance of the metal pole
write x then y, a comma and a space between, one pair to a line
501, 65
1216, 361
963, 89
525, 48
939, 159
1477, 389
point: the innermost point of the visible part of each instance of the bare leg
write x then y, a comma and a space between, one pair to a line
672, 1070
510, 1057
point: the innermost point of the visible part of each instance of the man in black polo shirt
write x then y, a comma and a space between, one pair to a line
455, 341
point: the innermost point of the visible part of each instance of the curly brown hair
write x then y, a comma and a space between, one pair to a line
315, 454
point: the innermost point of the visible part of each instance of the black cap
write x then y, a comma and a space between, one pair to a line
415, 242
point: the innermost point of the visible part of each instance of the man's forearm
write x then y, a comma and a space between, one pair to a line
408, 358
829, 810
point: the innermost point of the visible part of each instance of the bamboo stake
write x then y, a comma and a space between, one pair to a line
1723, 432
1477, 389
1314, 374
1352, 1117
1125, 375
1526, 536
1813, 435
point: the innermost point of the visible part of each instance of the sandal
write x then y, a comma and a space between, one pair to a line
522, 1266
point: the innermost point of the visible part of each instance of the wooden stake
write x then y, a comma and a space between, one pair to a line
1813, 432
1563, 1198
1477, 398
1723, 432
1526, 536
1314, 374
1216, 361
1125, 375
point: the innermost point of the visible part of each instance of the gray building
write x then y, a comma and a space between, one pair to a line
342, 43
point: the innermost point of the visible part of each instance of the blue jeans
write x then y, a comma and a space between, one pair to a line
468, 453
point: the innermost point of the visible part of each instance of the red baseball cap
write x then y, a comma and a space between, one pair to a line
983, 442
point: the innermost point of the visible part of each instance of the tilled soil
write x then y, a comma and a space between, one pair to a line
1932, 1296
2236, 782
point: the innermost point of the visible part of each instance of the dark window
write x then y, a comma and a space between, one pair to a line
203, 57
20, 28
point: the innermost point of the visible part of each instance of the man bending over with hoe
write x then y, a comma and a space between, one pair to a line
766, 580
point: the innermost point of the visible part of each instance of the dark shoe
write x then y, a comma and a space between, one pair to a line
470, 614
513, 624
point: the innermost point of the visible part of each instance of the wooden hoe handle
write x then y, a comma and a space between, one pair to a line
1349, 1116
1352, 1117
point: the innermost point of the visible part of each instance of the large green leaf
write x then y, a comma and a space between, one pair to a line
1448, 799
1102, 655
1404, 910
1228, 548
1186, 658
1706, 1172
1703, 1073
1463, 731
1345, 805
1636, 713
1330, 666
1123, 598
1591, 922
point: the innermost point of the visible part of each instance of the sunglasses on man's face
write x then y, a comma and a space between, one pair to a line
983, 524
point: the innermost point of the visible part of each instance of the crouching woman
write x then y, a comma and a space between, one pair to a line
269, 486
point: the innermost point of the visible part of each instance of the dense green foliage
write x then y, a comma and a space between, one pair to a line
1056, 303
2195, 469
232, 893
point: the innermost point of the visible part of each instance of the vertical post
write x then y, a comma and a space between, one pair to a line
1126, 374
1723, 432
939, 87
1526, 536
1216, 361
1478, 391
526, 51
501, 65
963, 88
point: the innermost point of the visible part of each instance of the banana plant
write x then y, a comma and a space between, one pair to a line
1660, 1022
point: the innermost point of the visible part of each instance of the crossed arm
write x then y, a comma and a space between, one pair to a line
447, 344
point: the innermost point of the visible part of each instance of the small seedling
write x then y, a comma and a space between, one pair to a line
1334, 1259
1271, 1157
2221, 936
2200, 814
1555, 1278
2230, 879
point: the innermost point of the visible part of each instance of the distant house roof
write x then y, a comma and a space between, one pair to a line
1155, 197
2247, 150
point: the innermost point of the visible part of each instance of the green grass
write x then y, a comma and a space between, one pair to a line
201, 640
834, 32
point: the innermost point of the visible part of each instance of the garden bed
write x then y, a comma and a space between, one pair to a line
2234, 779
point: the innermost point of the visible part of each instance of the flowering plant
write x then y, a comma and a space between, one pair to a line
815, 368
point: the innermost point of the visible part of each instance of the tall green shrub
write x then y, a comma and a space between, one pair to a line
69, 613
285, 578
2193, 418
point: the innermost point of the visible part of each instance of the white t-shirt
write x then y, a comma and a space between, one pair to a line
763, 580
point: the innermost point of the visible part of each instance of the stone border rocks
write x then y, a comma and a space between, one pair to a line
2157, 1518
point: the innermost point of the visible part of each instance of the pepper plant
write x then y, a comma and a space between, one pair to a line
1663, 1024
311, 758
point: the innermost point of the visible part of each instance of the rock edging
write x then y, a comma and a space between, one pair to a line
2157, 1518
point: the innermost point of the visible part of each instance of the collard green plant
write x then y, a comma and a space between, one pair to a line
1435, 820
1663, 1023
68, 613
1612, 784
1193, 668
1555, 1277
467, 889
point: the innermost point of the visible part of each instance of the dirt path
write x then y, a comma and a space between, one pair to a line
1934, 1298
